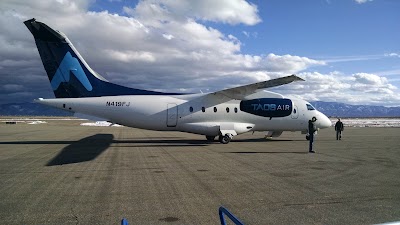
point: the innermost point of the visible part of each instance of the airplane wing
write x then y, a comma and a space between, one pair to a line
241, 92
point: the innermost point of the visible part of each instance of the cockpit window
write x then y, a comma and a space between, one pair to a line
310, 107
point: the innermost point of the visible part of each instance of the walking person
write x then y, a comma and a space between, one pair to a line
311, 131
339, 128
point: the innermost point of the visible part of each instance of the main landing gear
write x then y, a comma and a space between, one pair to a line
210, 138
224, 139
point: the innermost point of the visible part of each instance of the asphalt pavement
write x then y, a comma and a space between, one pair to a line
62, 173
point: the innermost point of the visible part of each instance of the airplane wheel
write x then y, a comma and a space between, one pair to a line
210, 138
226, 139
220, 138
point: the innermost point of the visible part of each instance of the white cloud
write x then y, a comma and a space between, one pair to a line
130, 56
369, 79
393, 54
168, 36
226, 11
160, 46
289, 63
372, 84
358, 88
339, 59
363, 1
250, 34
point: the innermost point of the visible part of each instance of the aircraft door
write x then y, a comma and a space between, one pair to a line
295, 112
172, 115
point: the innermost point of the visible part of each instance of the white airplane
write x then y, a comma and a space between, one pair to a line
224, 113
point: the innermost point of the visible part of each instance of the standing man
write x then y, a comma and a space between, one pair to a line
339, 128
311, 130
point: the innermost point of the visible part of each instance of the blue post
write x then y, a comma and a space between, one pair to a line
223, 211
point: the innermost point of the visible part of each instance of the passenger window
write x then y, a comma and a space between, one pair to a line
203, 109
191, 109
310, 107
227, 109
215, 109
236, 110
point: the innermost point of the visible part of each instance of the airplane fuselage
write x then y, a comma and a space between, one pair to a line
196, 113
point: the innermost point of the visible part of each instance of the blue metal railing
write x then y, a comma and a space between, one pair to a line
222, 211
124, 221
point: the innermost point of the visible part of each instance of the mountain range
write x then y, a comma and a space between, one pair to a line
331, 109
31, 109
335, 109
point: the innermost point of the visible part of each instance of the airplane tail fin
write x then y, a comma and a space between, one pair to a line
70, 76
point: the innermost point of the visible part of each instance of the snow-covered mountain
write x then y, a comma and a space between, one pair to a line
335, 109
30, 109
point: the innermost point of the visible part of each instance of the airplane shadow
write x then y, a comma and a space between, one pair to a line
161, 143
82, 150
263, 140
89, 148
269, 152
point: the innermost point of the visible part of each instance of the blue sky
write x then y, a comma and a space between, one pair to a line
316, 28
347, 50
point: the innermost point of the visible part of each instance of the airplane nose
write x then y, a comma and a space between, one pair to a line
324, 121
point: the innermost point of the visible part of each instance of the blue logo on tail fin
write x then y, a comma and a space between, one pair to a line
67, 66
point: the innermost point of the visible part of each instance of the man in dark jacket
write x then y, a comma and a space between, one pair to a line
311, 130
339, 128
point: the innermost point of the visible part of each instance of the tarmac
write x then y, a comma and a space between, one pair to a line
62, 173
